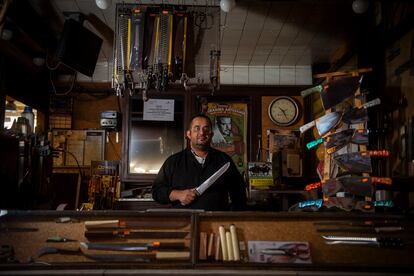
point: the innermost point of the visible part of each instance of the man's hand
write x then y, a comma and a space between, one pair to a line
184, 196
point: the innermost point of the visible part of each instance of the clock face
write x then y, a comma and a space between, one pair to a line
283, 111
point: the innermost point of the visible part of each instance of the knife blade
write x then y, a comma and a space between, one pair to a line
324, 123
127, 233
356, 185
362, 229
210, 181
378, 241
121, 224
359, 114
358, 162
337, 91
140, 246
365, 223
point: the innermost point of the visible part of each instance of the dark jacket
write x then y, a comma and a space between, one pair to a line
182, 171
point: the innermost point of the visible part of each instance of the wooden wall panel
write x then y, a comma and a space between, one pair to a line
268, 124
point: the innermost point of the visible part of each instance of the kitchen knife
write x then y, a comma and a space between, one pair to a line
330, 120
378, 241
210, 181
324, 123
120, 224
358, 115
311, 90
127, 233
128, 246
356, 185
338, 140
362, 229
364, 223
372, 180
340, 137
358, 162
339, 90
359, 137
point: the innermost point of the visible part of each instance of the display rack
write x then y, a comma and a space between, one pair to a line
344, 128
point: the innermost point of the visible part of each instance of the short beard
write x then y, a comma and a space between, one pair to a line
202, 147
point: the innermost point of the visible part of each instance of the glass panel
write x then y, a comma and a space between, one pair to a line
151, 142
14, 110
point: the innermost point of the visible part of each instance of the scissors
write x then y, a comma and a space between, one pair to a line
292, 250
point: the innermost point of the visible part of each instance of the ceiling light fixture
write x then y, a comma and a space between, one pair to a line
360, 6
227, 5
102, 4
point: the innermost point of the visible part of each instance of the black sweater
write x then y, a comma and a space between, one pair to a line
182, 171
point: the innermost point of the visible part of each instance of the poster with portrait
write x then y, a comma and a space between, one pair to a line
230, 130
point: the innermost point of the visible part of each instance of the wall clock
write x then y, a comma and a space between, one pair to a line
283, 111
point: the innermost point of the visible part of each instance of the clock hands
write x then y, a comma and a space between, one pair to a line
283, 111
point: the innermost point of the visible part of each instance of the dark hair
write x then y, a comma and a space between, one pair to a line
199, 115
220, 118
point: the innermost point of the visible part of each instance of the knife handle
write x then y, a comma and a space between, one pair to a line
313, 186
374, 102
381, 180
311, 90
307, 126
388, 229
390, 242
314, 143
379, 153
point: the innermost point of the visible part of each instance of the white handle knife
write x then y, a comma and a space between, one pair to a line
210, 181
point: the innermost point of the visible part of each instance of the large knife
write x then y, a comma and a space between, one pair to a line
128, 246
359, 162
362, 229
210, 181
377, 241
324, 124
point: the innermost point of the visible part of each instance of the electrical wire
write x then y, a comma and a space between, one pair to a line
71, 86
74, 157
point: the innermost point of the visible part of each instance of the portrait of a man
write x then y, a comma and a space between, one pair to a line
229, 127
222, 129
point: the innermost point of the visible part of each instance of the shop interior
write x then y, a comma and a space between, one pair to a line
317, 98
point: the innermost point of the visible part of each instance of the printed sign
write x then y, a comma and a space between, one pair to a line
230, 130
159, 110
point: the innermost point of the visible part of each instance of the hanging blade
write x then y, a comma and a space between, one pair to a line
356, 185
359, 162
358, 115
324, 123
339, 90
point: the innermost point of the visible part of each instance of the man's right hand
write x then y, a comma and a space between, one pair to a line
184, 196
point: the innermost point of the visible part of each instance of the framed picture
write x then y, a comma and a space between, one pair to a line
230, 130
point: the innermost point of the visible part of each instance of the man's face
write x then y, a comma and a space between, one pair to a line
224, 125
200, 133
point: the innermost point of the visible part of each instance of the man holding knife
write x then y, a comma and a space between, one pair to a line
200, 177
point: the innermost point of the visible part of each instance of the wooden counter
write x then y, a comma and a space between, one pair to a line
263, 226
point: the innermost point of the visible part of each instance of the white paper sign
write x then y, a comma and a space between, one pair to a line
159, 110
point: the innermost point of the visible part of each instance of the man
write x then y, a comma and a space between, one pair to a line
222, 130
184, 171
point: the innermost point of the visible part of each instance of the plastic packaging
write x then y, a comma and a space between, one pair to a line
29, 115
